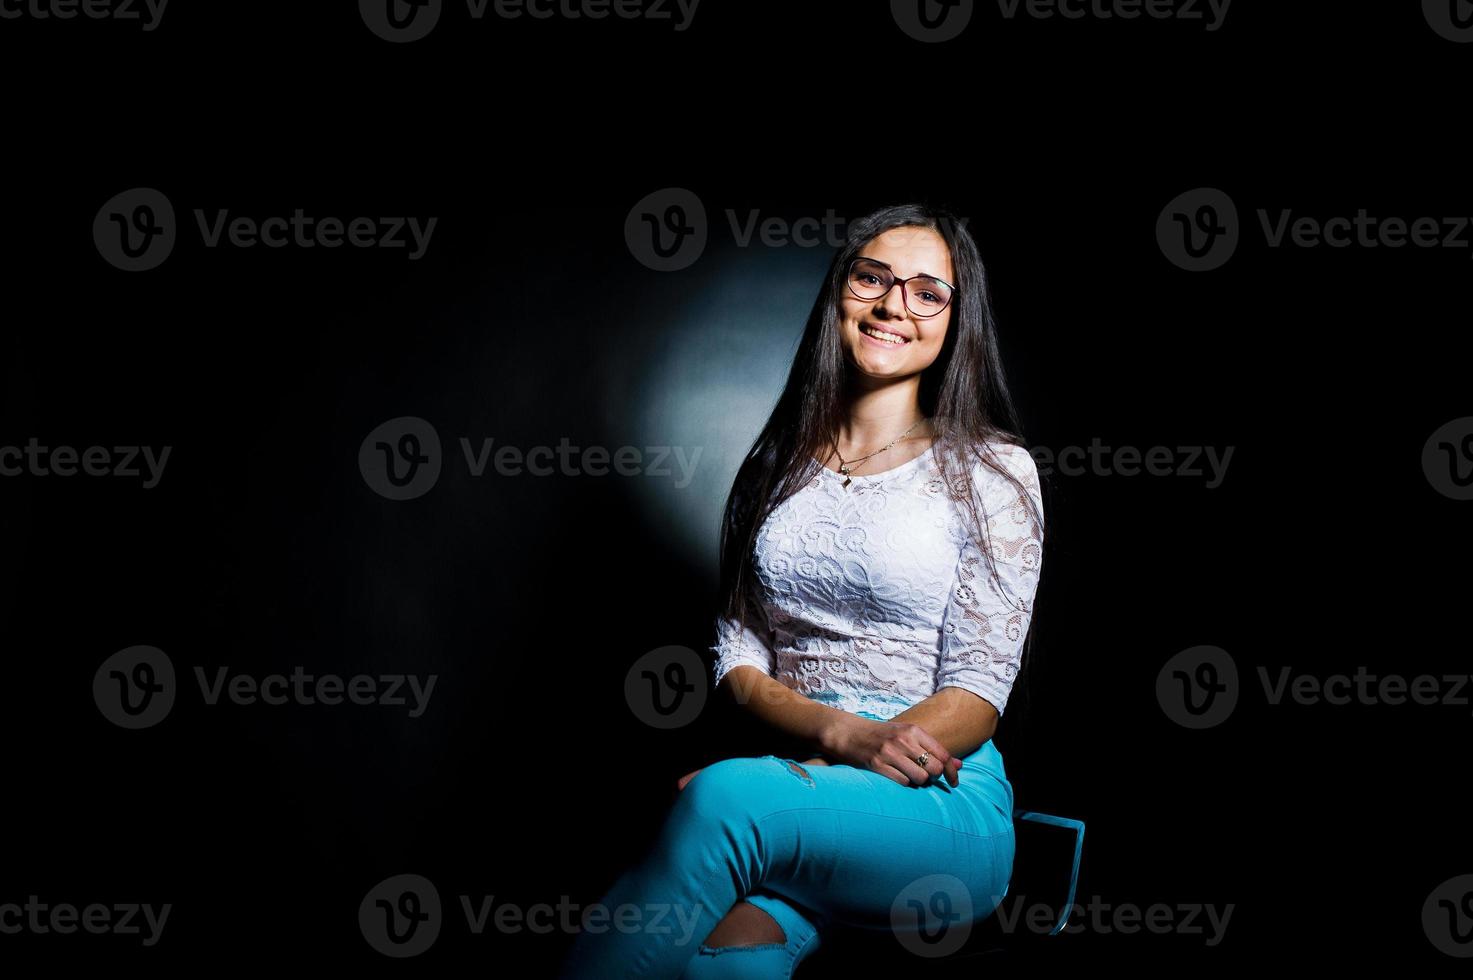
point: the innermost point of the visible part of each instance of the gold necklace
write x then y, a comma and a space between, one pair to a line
846, 466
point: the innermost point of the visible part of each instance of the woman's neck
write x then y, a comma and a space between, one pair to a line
877, 416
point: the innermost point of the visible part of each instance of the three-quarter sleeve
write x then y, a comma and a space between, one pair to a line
736, 645
984, 626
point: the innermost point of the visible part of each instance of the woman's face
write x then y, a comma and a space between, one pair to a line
907, 252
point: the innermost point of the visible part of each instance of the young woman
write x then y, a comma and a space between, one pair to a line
880, 554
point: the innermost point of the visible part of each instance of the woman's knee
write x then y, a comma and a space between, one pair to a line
746, 925
766, 961
730, 787
751, 943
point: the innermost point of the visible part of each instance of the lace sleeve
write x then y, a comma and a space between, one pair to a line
983, 629
735, 646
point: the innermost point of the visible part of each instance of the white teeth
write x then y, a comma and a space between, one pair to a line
882, 335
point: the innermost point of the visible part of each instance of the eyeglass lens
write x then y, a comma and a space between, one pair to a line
923, 295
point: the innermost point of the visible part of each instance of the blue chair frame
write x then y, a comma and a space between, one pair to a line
1067, 823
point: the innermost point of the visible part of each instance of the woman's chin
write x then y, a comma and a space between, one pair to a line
881, 368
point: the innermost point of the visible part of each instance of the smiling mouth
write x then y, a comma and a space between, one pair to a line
871, 330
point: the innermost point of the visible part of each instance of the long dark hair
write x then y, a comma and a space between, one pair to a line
964, 392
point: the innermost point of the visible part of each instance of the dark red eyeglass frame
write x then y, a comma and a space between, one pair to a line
904, 286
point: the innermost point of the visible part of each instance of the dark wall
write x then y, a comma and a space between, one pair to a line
534, 315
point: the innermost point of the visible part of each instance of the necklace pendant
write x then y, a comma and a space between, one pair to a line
843, 468
846, 482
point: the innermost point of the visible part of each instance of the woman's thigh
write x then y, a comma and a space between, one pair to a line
860, 848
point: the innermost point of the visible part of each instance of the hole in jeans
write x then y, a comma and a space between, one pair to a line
709, 950
801, 773
746, 926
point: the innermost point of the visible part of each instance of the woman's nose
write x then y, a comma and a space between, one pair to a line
893, 301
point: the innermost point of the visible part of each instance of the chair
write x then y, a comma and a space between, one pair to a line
1064, 847
1045, 871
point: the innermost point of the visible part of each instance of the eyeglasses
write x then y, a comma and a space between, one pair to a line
872, 279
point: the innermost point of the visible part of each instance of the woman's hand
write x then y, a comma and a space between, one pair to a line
887, 748
890, 748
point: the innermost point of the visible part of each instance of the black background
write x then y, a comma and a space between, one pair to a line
529, 320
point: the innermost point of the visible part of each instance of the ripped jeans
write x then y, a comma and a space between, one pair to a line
809, 845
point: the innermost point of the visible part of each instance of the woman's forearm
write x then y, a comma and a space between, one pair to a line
957, 718
781, 707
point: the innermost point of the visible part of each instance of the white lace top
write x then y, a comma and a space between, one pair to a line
875, 597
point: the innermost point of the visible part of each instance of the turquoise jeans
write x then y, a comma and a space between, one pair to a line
809, 845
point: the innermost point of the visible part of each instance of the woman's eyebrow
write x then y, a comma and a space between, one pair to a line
924, 275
